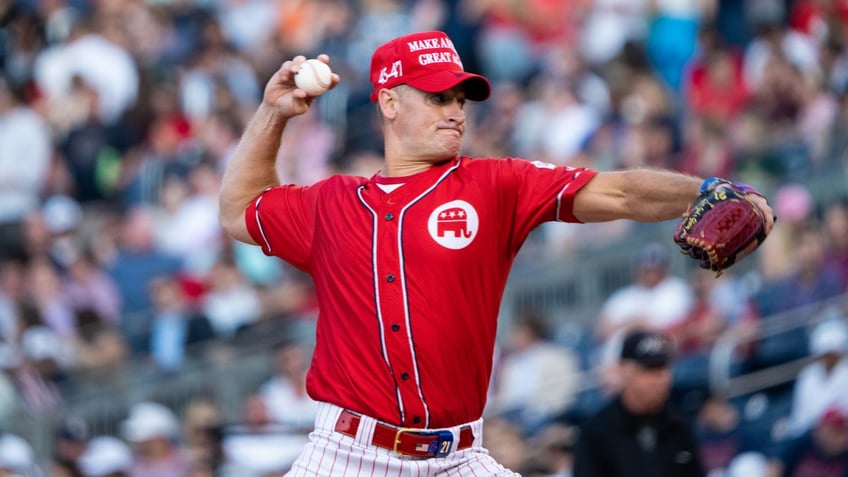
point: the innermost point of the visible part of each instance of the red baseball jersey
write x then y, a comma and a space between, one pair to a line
409, 283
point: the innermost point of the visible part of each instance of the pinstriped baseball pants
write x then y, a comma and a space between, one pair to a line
331, 454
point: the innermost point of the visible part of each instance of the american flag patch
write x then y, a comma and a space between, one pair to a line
422, 447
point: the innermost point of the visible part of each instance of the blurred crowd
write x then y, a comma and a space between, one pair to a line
117, 118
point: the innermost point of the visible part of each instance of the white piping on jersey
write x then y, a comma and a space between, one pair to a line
259, 221
561, 193
402, 272
374, 273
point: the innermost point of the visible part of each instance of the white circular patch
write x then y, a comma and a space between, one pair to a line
454, 224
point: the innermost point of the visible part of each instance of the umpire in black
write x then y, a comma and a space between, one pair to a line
636, 434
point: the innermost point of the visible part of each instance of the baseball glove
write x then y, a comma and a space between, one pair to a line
721, 226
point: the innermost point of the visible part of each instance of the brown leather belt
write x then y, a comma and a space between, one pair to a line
421, 443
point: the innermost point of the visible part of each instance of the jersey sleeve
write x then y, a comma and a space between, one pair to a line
540, 192
281, 221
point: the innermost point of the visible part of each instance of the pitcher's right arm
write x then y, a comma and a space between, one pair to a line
252, 169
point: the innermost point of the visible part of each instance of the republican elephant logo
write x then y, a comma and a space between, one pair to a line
453, 224
453, 220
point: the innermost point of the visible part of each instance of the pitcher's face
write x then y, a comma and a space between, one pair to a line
431, 125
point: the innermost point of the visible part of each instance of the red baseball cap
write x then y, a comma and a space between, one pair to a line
835, 417
427, 61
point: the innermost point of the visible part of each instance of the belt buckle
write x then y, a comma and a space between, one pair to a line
440, 446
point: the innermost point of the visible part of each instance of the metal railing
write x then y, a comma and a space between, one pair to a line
725, 351
217, 371
573, 287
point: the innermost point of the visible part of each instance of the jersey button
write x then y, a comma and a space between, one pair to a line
395, 327
416, 420
390, 278
390, 216
404, 376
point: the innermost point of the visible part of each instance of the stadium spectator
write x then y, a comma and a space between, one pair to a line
37, 239
672, 37
794, 204
153, 431
551, 452
258, 446
810, 281
175, 325
778, 100
217, 79
714, 88
777, 44
707, 150
640, 97
167, 150
818, 110
23, 133
100, 347
818, 20
186, 218
749, 464
636, 433
247, 24
102, 63
823, 383
88, 287
135, 264
653, 142
655, 299
201, 427
17, 457
539, 123
505, 443
820, 452
284, 394
62, 217
722, 304
106, 456
375, 22
611, 25
536, 380
229, 301
495, 125
25, 40
722, 307
835, 224
70, 442
218, 136
45, 293
12, 293
90, 149
44, 348
721, 435
307, 151
563, 60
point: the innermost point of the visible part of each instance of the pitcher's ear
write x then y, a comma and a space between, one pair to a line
388, 101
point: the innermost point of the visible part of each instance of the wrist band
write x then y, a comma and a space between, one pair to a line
712, 182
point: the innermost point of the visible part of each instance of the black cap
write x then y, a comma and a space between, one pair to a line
73, 429
649, 349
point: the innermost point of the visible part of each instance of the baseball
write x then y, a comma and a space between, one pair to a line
314, 77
